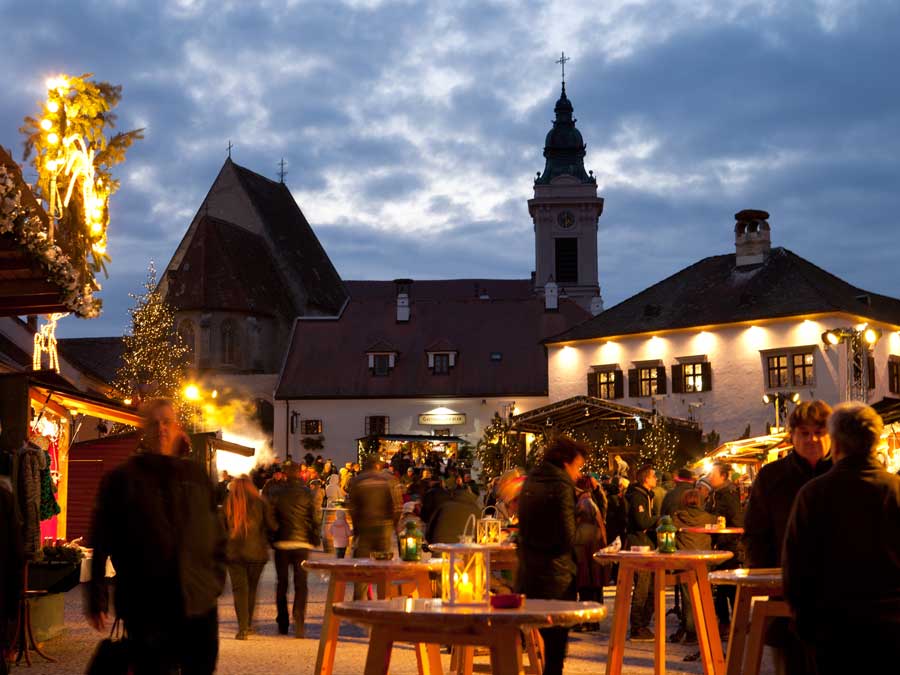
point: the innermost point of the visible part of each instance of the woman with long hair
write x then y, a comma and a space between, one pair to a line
248, 520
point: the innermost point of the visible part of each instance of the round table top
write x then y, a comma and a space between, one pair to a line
425, 614
768, 577
474, 546
654, 559
712, 530
394, 565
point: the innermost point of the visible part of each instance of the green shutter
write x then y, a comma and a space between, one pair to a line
706, 372
678, 379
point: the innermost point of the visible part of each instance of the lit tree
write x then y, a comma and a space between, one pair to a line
497, 448
155, 358
658, 445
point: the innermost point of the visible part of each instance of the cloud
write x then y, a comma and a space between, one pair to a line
412, 130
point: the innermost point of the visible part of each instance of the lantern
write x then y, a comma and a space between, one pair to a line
665, 535
489, 527
411, 543
465, 573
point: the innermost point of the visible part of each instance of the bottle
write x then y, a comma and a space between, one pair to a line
665, 535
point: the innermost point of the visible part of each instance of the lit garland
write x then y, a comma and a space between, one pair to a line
155, 359
658, 445
45, 341
73, 157
496, 450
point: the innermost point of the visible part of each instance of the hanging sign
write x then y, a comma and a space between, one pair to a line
442, 419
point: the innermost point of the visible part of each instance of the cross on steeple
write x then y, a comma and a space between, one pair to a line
281, 172
230, 146
563, 59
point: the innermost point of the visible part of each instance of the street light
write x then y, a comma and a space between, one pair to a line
192, 392
859, 340
780, 400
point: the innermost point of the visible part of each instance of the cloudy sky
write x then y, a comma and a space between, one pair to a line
412, 130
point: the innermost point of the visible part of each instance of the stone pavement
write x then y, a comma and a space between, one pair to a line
270, 653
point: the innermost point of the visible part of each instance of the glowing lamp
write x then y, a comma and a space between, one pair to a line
767, 399
46, 124
871, 335
53, 106
665, 535
795, 397
192, 392
411, 543
489, 528
465, 571
126, 401
53, 139
831, 337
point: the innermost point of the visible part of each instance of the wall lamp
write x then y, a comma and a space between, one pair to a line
835, 336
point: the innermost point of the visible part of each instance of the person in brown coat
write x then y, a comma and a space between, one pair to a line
248, 520
841, 553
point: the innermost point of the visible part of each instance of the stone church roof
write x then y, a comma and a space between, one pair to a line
714, 291
227, 267
294, 240
494, 326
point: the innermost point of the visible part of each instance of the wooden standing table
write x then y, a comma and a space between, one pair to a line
750, 583
430, 621
380, 573
690, 567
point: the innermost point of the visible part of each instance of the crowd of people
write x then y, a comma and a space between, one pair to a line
825, 509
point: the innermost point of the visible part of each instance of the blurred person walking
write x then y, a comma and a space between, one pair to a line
725, 502
156, 518
248, 520
590, 536
641, 532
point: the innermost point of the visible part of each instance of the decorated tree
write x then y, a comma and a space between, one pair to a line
658, 445
155, 359
498, 448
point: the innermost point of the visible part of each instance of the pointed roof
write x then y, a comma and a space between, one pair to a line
564, 147
294, 240
714, 291
227, 267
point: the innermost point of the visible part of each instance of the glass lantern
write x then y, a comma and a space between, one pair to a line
465, 573
411, 543
489, 530
665, 535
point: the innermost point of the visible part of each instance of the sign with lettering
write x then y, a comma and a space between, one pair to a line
442, 419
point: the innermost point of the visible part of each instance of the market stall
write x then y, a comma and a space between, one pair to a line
419, 446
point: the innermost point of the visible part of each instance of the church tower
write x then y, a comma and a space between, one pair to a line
566, 210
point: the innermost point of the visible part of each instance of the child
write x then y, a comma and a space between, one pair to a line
340, 533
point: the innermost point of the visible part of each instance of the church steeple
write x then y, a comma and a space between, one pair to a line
564, 148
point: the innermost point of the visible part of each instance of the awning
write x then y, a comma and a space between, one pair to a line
50, 389
747, 450
581, 410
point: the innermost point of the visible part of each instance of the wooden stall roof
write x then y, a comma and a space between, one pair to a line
580, 410
47, 387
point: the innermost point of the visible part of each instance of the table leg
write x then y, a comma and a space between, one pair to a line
428, 656
659, 601
382, 586
534, 644
506, 651
379, 656
737, 638
621, 611
706, 622
330, 627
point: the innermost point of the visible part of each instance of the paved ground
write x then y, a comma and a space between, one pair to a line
267, 652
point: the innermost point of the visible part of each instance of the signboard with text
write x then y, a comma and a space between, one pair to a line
442, 419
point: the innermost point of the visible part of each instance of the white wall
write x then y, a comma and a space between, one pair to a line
738, 372
343, 420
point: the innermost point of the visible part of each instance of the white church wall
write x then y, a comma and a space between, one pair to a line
343, 420
735, 353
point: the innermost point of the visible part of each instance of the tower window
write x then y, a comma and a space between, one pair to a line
566, 260
229, 342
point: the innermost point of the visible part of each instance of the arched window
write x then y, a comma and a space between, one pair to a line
186, 331
229, 343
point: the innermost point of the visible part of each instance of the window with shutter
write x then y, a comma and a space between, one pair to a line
894, 375
706, 374
634, 386
592, 384
619, 385
661, 380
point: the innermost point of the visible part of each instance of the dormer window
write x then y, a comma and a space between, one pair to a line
440, 363
381, 363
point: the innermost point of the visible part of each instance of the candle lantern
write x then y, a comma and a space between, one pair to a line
489, 530
665, 535
411, 543
465, 573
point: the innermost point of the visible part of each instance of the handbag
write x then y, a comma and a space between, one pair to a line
113, 654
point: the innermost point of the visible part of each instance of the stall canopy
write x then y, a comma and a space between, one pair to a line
419, 445
747, 451
49, 388
582, 410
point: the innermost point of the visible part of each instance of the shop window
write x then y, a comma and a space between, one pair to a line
894, 375
311, 427
377, 425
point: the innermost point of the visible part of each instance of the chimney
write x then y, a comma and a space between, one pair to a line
596, 305
751, 237
402, 286
551, 296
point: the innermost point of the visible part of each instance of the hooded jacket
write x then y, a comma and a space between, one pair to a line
692, 516
547, 534
641, 521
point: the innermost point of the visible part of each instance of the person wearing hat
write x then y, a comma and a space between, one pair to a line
684, 481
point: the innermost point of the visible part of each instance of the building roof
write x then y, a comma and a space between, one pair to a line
227, 267
564, 146
713, 291
97, 356
327, 358
294, 240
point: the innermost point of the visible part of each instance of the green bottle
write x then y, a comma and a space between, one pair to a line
665, 535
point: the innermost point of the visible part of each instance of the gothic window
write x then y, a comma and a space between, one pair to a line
186, 331
229, 343
566, 260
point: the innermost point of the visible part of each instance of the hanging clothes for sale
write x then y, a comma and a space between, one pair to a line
49, 506
32, 461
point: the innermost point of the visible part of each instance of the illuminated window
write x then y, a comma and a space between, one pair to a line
802, 368
791, 368
894, 375
777, 368
606, 384
692, 375
648, 381
311, 427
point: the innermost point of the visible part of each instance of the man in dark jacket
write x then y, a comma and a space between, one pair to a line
155, 517
547, 537
451, 517
297, 517
841, 553
641, 532
725, 502
769, 506
684, 481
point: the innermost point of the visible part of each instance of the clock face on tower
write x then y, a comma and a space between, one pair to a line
565, 219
